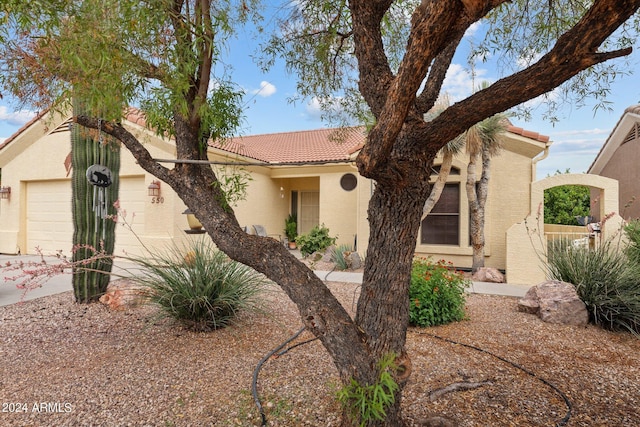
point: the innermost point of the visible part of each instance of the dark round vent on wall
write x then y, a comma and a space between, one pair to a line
348, 181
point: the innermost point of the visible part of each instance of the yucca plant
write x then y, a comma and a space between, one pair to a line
337, 256
605, 280
200, 286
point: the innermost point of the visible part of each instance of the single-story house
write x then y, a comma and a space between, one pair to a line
309, 173
619, 158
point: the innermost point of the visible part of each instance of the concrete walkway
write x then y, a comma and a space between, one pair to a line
10, 294
475, 288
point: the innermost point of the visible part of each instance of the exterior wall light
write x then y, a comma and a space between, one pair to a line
5, 193
154, 189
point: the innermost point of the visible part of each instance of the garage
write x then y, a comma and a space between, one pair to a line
49, 225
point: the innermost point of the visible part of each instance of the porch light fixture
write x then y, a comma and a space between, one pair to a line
154, 189
5, 193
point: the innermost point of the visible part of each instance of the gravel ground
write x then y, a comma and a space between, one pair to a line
63, 364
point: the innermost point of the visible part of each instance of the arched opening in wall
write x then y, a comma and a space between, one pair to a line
571, 216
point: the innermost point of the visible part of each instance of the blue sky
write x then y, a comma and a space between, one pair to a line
577, 137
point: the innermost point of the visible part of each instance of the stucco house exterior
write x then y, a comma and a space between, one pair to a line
310, 173
619, 158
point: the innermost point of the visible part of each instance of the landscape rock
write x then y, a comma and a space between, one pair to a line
555, 301
328, 254
353, 260
122, 294
488, 274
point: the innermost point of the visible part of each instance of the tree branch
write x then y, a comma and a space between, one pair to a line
437, 73
575, 51
138, 151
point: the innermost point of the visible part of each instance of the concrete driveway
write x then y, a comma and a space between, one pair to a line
58, 283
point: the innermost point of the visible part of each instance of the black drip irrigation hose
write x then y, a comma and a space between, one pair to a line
562, 422
256, 371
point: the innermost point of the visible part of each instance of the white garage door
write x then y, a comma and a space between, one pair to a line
133, 195
49, 225
49, 219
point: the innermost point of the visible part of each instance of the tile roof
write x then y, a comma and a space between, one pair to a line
310, 146
528, 134
321, 145
22, 129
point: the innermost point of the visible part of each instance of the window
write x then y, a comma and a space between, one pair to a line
442, 225
348, 181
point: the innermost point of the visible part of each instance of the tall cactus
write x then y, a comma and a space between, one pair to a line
89, 231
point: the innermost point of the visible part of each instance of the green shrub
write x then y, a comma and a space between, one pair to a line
605, 280
317, 239
200, 286
436, 295
370, 402
632, 232
337, 256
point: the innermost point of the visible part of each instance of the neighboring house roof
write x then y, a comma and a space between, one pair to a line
627, 124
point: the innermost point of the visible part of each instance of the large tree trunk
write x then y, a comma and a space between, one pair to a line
383, 309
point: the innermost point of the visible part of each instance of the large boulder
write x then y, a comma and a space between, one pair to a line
555, 301
353, 260
122, 294
488, 274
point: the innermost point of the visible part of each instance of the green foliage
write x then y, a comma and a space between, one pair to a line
200, 286
366, 403
232, 182
606, 281
291, 227
563, 203
317, 239
338, 256
114, 53
632, 232
436, 295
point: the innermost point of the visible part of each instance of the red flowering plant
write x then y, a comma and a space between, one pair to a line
436, 295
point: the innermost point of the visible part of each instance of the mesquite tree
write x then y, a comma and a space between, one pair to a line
162, 53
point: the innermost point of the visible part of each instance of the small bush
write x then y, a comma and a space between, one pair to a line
200, 286
605, 280
436, 295
317, 239
632, 232
338, 256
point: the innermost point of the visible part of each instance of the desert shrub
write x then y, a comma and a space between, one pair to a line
605, 280
200, 286
632, 233
436, 295
317, 239
337, 256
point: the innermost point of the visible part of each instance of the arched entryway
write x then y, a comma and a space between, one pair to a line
526, 244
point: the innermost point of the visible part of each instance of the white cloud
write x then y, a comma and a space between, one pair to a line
2, 140
595, 131
16, 118
473, 29
459, 83
266, 89
313, 109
